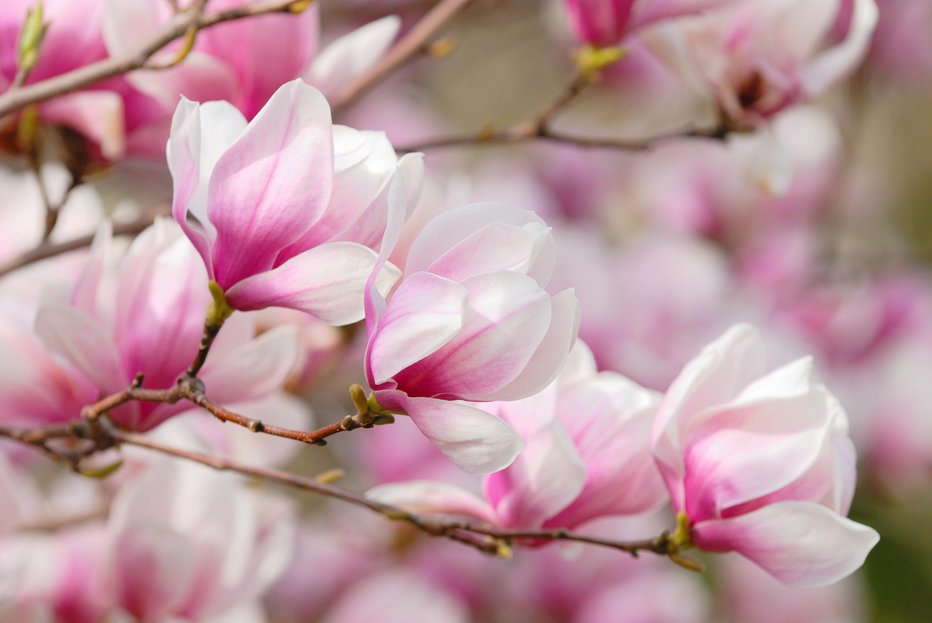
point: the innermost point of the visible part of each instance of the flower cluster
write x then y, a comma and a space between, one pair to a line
210, 229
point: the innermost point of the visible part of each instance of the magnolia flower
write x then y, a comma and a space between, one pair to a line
283, 209
102, 113
754, 59
145, 316
761, 464
470, 321
607, 22
242, 61
187, 542
587, 456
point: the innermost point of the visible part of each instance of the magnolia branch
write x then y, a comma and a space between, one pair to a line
415, 41
192, 390
48, 250
540, 128
184, 24
523, 133
485, 538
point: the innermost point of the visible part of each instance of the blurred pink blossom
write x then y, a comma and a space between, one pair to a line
144, 315
242, 62
104, 112
607, 22
755, 59
186, 541
587, 456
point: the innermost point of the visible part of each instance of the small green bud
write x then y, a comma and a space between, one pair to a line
360, 401
30, 39
219, 309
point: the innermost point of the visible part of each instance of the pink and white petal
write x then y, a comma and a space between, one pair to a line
399, 197
801, 544
834, 63
183, 152
427, 496
609, 420
580, 365
272, 184
348, 57
357, 210
545, 478
98, 115
449, 228
425, 312
151, 568
255, 369
750, 451
548, 360
263, 53
793, 379
507, 318
86, 292
85, 343
475, 440
495, 247
220, 124
721, 370
327, 282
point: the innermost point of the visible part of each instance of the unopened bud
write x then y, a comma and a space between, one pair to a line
30, 39
360, 401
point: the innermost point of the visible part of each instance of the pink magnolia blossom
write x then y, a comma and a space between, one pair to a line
607, 22
587, 455
53, 577
755, 59
103, 112
187, 542
761, 464
242, 62
283, 210
145, 316
470, 321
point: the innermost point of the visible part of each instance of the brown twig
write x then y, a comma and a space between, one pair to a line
485, 538
415, 41
192, 390
522, 134
179, 26
47, 250
540, 128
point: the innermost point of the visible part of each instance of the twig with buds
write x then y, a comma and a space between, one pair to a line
485, 538
48, 250
540, 127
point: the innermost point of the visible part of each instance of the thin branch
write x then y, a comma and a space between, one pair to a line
522, 134
483, 537
179, 26
407, 47
192, 390
48, 250
540, 128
